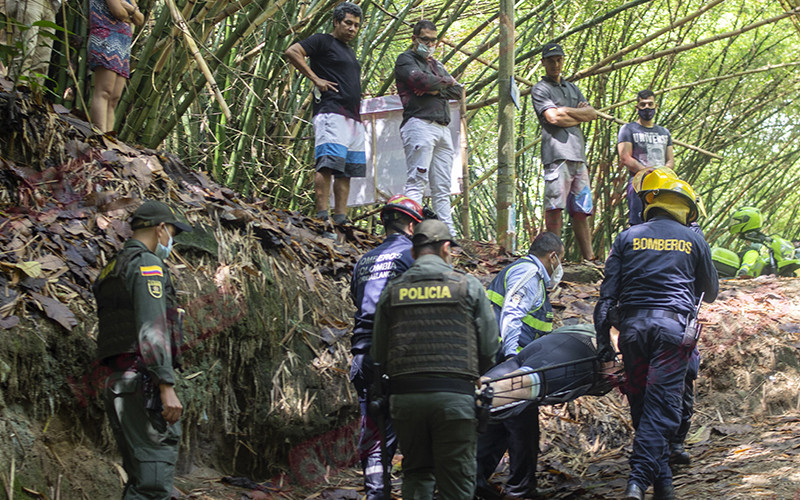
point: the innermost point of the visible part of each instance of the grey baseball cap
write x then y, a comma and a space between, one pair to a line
432, 231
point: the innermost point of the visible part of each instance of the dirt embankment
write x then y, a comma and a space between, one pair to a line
265, 384
268, 312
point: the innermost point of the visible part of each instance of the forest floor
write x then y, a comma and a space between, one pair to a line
745, 437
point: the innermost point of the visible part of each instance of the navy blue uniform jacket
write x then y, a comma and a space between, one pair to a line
660, 264
381, 264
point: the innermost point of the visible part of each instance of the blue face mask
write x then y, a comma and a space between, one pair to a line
424, 50
162, 252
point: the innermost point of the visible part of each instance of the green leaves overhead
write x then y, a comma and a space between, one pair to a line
725, 75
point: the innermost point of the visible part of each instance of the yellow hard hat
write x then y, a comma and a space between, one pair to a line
674, 196
652, 178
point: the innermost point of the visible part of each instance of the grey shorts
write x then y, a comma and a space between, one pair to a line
566, 185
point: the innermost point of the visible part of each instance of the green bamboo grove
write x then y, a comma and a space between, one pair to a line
724, 71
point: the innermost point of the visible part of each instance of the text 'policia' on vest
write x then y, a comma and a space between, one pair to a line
418, 308
422, 294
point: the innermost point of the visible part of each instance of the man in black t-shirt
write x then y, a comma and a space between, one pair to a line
339, 134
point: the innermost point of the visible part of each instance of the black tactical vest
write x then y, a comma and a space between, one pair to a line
431, 330
117, 332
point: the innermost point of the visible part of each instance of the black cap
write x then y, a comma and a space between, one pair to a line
432, 231
552, 49
152, 213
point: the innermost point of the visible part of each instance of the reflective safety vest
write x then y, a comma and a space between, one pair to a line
431, 330
538, 321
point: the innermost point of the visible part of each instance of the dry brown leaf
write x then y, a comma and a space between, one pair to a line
32, 268
310, 281
56, 311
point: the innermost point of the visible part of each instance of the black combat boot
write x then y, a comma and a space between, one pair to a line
678, 455
634, 492
664, 491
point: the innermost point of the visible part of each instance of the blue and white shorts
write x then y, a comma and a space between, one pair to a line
339, 145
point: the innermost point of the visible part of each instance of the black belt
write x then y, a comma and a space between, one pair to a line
413, 385
120, 362
654, 313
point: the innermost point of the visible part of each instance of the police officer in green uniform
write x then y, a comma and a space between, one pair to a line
139, 341
434, 334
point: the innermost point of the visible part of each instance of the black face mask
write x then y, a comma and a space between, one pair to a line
647, 114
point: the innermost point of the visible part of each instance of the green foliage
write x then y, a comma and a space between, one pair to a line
16, 56
723, 85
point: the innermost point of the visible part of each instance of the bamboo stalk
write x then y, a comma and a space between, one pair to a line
268, 13
630, 48
133, 108
12, 473
181, 108
230, 10
675, 141
82, 62
693, 45
488, 43
465, 205
176, 16
592, 22
248, 126
69, 62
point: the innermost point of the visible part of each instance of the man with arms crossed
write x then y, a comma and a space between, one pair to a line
561, 108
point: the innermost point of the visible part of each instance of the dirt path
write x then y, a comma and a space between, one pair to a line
745, 437
738, 460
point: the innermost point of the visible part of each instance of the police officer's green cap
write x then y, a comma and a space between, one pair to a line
552, 49
431, 231
152, 213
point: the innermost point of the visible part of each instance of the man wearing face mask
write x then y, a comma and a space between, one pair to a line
519, 294
425, 87
139, 340
642, 144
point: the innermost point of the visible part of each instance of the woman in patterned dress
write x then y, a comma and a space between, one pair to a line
110, 35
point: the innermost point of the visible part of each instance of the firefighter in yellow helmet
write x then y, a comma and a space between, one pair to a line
655, 275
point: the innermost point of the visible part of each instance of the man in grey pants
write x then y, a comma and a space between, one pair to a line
425, 88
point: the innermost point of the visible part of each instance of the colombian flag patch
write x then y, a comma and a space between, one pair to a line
151, 271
